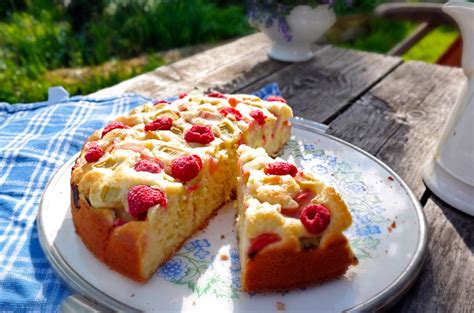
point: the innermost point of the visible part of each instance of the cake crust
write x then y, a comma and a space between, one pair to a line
284, 267
95, 228
118, 247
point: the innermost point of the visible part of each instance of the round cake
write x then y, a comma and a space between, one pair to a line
149, 180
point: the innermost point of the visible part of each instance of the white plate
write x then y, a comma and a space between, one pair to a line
388, 236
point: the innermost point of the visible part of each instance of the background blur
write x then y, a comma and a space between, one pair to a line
88, 45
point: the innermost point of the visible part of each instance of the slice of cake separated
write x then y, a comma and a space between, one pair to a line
149, 180
290, 225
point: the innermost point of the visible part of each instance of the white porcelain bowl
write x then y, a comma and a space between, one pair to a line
292, 38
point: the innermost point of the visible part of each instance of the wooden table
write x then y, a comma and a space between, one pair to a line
393, 110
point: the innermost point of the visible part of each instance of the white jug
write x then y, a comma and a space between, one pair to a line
450, 172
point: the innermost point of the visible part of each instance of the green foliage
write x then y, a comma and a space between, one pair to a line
356, 6
128, 28
383, 35
430, 48
37, 36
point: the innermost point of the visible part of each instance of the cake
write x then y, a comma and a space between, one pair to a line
290, 225
149, 180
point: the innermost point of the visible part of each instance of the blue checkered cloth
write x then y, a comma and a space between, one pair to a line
35, 140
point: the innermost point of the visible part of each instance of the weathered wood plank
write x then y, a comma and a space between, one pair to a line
184, 73
400, 119
245, 61
320, 88
243, 66
446, 283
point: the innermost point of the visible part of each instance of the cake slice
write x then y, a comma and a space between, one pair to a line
149, 180
290, 225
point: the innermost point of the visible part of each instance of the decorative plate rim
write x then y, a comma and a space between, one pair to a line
383, 299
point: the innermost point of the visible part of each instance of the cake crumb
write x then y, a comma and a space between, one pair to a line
194, 302
392, 227
390, 178
132, 295
222, 236
280, 306
224, 257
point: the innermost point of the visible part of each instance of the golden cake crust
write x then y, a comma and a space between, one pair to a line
285, 267
118, 247
95, 227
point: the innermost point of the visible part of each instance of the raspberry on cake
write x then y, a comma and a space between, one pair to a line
149, 180
290, 225
161, 123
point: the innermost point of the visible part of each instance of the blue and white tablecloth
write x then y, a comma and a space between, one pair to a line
35, 140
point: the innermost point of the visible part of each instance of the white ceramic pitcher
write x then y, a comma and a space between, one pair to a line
450, 172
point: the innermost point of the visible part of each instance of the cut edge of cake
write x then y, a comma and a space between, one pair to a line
277, 250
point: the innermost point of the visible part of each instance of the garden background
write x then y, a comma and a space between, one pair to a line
89, 45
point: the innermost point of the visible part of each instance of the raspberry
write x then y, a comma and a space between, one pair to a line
260, 242
258, 116
119, 222
141, 198
147, 166
182, 95
232, 102
234, 112
216, 95
305, 196
161, 123
281, 168
76, 164
276, 98
160, 101
199, 134
315, 218
186, 167
112, 126
94, 153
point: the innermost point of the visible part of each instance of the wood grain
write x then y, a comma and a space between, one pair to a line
400, 120
246, 66
333, 79
183, 74
446, 282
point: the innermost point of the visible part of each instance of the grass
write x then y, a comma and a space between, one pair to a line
384, 35
430, 48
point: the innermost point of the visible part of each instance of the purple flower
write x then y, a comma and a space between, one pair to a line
284, 28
